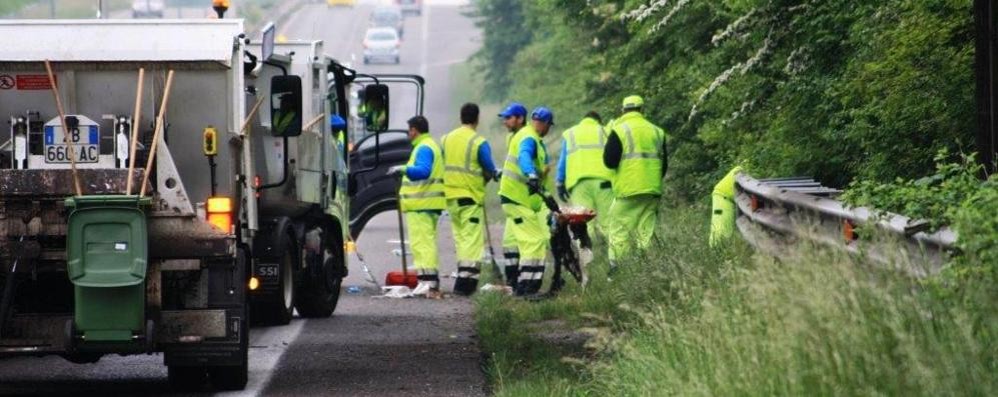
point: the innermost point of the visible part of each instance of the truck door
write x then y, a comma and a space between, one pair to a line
371, 191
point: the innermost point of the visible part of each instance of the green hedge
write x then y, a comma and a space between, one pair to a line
838, 89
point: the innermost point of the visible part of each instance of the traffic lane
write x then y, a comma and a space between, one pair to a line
377, 346
110, 375
141, 374
342, 31
452, 39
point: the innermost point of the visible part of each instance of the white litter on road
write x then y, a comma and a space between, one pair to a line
395, 292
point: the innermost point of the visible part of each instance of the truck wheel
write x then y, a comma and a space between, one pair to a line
281, 307
320, 291
186, 378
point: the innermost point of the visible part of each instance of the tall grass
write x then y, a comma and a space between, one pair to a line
682, 319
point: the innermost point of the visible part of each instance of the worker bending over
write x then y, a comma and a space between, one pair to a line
514, 118
636, 149
520, 193
722, 220
468, 167
422, 199
582, 178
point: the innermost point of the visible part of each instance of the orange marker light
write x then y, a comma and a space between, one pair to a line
219, 211
254, 283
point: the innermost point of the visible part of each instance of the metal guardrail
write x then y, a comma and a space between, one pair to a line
775, 212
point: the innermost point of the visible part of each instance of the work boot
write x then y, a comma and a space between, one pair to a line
512, 267
512, 275
467, 278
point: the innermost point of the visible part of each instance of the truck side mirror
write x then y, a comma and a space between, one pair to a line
375, 112
285, 106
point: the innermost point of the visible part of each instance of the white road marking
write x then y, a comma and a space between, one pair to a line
267, 346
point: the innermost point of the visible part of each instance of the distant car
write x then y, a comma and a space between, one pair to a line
388, 16
147, 8
414, 7
341, 3
381, 43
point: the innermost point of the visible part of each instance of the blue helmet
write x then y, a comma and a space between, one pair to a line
337, 123
514, 109
544, 114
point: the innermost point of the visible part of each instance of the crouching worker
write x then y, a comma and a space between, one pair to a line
722, 220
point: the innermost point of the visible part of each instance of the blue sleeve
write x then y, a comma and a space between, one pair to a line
421, 169
560, 174
528, 151
485, 158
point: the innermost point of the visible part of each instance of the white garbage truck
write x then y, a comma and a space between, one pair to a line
162, 214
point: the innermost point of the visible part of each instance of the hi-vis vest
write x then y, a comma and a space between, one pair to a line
585, 144
640, 169
513, 184
463, 175
725, 188
427, 194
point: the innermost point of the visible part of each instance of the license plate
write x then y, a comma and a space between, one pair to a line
85, 147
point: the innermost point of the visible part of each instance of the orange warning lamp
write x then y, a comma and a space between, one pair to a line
220, 213
220, 6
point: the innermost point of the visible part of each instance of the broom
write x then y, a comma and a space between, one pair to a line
404, 277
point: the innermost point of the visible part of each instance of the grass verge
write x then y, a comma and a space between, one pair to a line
683, 319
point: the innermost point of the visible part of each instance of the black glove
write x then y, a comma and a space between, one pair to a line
563, 193
490, 176
533, 185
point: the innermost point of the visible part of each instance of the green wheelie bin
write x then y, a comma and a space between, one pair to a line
107, 252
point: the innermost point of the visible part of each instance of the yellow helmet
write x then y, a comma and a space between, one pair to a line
633, 102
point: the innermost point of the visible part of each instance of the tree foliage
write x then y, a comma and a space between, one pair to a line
836, 89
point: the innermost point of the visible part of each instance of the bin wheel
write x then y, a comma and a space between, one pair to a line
186, 378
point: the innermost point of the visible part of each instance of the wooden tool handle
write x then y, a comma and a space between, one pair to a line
65, 129
136, 120
158, 130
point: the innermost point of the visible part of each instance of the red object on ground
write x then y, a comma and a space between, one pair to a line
407, 279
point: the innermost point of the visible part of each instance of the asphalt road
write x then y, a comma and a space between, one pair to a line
371, 346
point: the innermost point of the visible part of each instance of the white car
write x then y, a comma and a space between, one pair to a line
147, 8
381, 43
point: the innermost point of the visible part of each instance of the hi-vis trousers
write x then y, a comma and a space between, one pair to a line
466, 219
532, 236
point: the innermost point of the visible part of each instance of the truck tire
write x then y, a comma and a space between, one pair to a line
319, 292
234, 377
183, 378
280, 309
